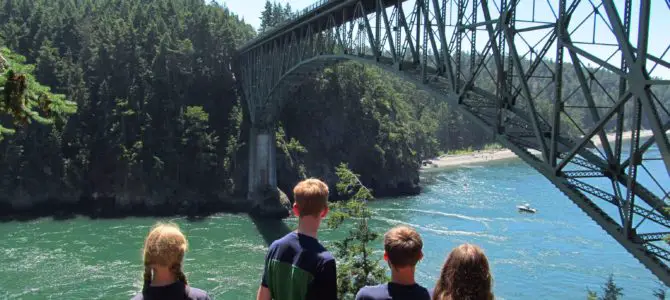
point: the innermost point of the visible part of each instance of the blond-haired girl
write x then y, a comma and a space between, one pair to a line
164, 251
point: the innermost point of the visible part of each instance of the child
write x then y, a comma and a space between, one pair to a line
402, 251
465, 275
297, 266
164, 251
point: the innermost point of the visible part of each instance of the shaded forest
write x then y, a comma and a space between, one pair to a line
158, 121
161, 127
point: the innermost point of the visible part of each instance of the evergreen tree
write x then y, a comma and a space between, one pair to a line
659, 292
266, 17
277, 15
610, 291
143, 74
288, 11
274, 14
24, 99
356, 266
134, 69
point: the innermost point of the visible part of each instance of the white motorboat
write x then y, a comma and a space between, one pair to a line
526, 208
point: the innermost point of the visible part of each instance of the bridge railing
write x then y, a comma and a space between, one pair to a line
303, 12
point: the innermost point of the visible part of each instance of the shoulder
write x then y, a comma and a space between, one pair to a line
289, 238
139, 296
425, 293
323, 253
197, 294
372, 292
326, 256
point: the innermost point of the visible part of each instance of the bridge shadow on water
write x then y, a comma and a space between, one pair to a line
270, 229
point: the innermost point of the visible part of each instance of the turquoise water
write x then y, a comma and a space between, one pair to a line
555, 254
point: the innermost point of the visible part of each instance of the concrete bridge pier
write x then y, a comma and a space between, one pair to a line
263, 194
262, 162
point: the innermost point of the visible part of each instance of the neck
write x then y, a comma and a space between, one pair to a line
163, 277
404, 276
309, 226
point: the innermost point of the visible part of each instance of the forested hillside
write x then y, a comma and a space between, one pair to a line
381, 125
159, 118
161, 127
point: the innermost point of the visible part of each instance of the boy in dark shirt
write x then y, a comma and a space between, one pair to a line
402, 251
297, 266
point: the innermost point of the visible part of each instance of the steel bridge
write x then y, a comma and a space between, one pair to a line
523, 49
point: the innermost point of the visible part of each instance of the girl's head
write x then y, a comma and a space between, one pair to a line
465, 276
164, 249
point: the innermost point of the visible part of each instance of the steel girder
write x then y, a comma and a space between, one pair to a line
503, 64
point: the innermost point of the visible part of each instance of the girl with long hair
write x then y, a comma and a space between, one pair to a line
164, 251
465, 276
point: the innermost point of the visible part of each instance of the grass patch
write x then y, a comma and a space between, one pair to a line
467, 150
493, 147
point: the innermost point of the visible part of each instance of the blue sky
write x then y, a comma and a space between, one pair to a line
659, 25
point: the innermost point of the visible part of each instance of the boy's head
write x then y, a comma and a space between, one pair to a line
402, 247
311, 198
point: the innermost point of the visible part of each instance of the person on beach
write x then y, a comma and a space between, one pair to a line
465, 275
402, 251
164, 279
297, 266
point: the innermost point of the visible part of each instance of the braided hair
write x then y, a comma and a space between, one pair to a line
177, 271
165, 246
147, 276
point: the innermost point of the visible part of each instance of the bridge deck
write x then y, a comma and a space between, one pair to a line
317, 16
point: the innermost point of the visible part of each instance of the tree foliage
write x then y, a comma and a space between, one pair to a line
274, 14
659, 292
160, 120
381, 126
159, 117
610, 291
24, 99
356, 265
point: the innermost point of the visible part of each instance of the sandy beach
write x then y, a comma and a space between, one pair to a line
482, 156
476, 157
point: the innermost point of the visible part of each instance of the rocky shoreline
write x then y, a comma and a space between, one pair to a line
108, 207
276, 205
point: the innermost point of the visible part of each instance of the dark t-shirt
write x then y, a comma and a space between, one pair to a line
175, 291
393, 291
298, 267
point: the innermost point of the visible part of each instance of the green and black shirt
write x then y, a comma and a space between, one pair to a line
298, 267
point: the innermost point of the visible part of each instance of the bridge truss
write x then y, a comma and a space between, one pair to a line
505, 64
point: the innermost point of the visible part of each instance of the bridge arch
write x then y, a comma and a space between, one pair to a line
413, 39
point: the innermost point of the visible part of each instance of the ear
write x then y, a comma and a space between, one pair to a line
296, 210
421, 255
324, 212
386, 256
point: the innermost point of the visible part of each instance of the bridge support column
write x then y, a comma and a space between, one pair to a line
262, 163
263, 194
